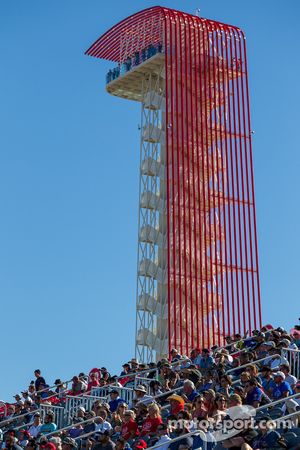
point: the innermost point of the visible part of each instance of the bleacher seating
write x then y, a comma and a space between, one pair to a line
181, 402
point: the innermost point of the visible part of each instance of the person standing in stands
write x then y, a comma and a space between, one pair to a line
39, 380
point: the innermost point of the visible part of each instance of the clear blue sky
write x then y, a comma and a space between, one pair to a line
69, 181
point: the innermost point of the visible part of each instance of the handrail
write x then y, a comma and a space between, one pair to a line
290, 397
252, 362
163, 394
71, 426
25, 425
237, 342
13, 419
178, 438
295, 413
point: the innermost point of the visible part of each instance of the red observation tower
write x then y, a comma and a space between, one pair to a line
197, 275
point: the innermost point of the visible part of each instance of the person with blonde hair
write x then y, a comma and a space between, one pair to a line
152, 421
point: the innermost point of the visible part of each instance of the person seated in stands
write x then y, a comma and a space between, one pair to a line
78, 386
24, 437
199, 410
31, 391
285, 368
155, 388
189, 391
102, 441
77, 428
253, 393
60, 389
253, 372
129, 427
244, 378
133, 365
267, 379
141, 412
267, 437
234, 400
206, 361
281, 389
162, 437
40, 381
115, 400
207, 382
101, 422
176, 404
48, 426
225, 386
35, 428
141, 396
219, 412
94, 382
175, 355
105, 375
195, 356
117, 416
152, 421
185, 443
209, 401
10, 443
69, 444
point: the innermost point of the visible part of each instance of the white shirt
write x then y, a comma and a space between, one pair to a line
103, 426
34, 431
162, 440
291, 380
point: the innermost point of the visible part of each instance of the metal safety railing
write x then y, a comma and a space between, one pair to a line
277, 402
59, 413
69, 427
293, 358
74, 403
253, 362
179, 438
17, 418
233, 344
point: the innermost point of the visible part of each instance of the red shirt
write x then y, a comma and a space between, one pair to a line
93, 383
127, 428
150, 425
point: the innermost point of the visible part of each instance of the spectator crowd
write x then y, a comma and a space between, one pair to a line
187, 397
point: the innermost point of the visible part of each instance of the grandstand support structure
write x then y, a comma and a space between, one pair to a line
197, 272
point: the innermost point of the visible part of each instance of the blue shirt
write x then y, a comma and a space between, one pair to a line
113, 404
206, 363
280, 389
254, 396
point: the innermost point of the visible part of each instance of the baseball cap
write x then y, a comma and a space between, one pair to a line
140, 444
270, 344
279, 374
114, 391
81, 408
70, 441
176, 397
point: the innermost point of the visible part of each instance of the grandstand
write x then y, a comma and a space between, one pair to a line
206, 373
177, 402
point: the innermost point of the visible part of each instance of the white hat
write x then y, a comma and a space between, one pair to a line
270, 344
140, 388
279, 374
81, 408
